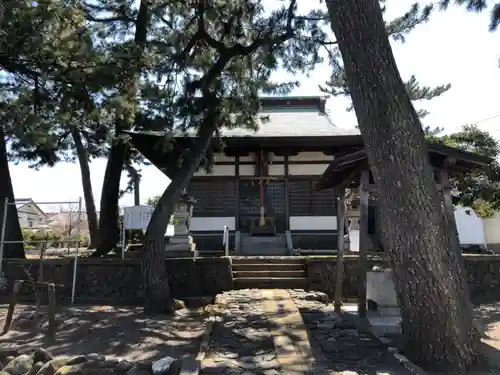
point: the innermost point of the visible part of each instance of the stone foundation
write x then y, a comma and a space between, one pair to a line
119, 281
483, 275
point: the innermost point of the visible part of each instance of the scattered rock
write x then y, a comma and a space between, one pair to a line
36, 367
51, 367
41, 355
179, 305
135, 370
70, 370
11, 351
144, 364
95, 357
8, 359
100, 364
123, 366
21, 365
76, 360
162, 366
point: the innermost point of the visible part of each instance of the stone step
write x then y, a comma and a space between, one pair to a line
267, 273
271, 283
256, 251
268, 267
318, 252
267, 259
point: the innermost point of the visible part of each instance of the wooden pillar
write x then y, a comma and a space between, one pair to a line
363, 241
237, 187
339, 277
287, 193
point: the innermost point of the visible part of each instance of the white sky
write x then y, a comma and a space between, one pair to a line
454, 47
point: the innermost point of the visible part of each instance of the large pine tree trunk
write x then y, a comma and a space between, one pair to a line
12, 228
422, 250
109, 230
87, 187
158, 298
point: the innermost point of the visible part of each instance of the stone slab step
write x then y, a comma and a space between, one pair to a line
271, 283
267, 259
264, 252
318, 252
268, 273
268, 267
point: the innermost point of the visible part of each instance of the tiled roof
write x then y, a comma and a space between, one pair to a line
292, 123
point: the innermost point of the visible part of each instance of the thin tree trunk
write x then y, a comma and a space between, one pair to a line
109, 230
87, 186
12, 229
136, 178
158, 298
431, 287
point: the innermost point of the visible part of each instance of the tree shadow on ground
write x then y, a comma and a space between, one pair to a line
489, 314
248, 346
124, 332
344, 343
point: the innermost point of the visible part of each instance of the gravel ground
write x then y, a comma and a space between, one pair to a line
122, 332
346, 348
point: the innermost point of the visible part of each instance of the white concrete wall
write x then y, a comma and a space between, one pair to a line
326, 223
492, 229
310, 156
218, 170
274, 169
212, 223
306, 169
247, 170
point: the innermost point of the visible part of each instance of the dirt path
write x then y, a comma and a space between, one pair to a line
283, 332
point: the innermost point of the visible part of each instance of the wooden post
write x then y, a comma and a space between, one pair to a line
36, 285
449, 210
340, 249
363, 242
51, 290
12, 305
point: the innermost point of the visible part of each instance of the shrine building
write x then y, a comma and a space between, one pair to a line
264, 184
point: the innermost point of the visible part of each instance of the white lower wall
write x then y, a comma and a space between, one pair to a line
212, 223
491, 227
313, 223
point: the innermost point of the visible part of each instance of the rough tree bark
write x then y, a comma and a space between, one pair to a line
109, 231
158, 298
136, 178
81, 152
432, 289
12, 229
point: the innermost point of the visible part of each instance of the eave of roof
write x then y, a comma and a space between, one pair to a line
348, 166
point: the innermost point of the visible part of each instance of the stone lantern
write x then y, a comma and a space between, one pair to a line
181, 244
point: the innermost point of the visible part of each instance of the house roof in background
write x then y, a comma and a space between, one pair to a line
23, 202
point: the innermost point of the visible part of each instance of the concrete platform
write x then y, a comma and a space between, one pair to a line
386, 322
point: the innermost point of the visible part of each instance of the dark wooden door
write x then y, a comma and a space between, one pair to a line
274, 203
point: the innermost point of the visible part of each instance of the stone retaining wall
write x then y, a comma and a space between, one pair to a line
119, 281
483, 273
